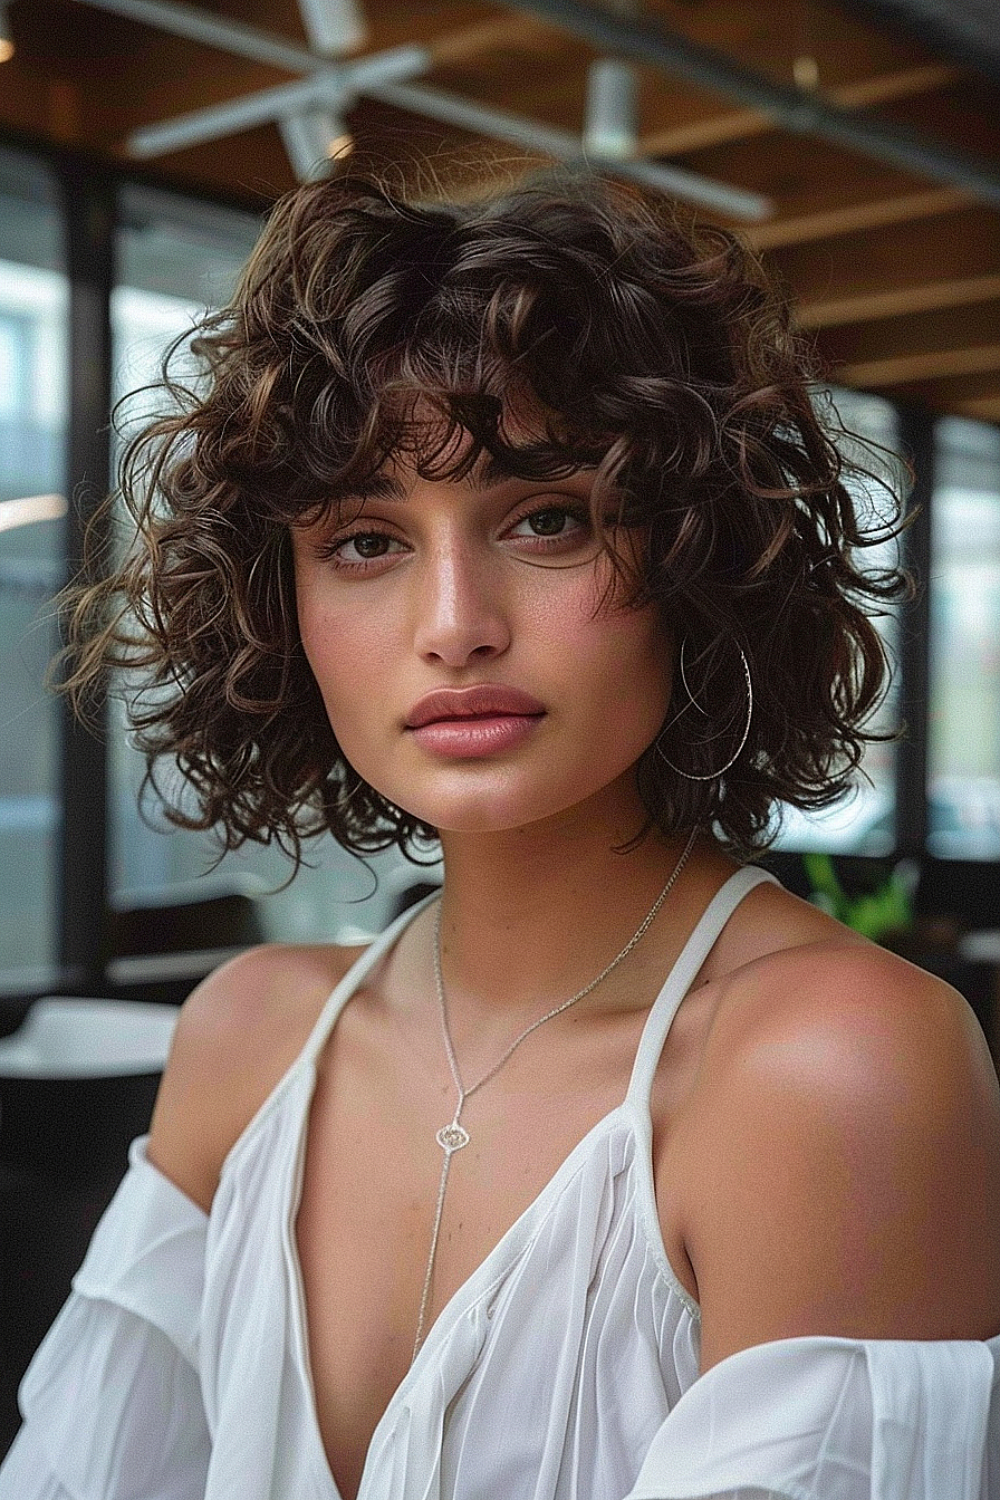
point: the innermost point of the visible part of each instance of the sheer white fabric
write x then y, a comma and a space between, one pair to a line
565, 1368
112, 1401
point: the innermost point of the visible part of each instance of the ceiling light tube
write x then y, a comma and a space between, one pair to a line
610, 121
333, 26
329, 86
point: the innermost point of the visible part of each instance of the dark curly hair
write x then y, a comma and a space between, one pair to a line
654, 350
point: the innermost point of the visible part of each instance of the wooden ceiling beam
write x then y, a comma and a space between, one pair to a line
904, 369
903, 208
736, 125
964, 395
895, 271
961, 327
983, 408
886, 88
475, 43
896, 302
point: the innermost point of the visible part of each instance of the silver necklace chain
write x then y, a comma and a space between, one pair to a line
453, 1137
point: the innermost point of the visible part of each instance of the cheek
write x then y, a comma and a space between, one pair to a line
624, 656
341, 647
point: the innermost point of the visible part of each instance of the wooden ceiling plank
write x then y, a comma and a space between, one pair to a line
849, 219
475, 43
964, 326
930, 365
907, 84
950, 247
947, 393
716, 130
982, 408
769, 36
895, 302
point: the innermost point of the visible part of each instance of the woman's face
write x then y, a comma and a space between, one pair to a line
483, 582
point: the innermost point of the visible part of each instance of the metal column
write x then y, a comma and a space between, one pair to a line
916, 439
88, 199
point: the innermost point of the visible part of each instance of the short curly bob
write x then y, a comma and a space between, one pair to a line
652, 349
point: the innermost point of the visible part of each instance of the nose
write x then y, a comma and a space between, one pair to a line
462, 614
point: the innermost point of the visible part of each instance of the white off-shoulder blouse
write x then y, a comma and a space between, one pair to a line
565, 1368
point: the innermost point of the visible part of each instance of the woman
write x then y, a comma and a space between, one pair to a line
617, 1170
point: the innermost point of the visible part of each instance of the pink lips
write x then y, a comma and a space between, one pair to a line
485, 701
465, 723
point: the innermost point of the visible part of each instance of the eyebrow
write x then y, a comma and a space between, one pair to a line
487, 472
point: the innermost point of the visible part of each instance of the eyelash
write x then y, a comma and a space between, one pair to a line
329, 550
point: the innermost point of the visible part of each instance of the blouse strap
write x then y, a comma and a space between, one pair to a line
713, 919
356, 975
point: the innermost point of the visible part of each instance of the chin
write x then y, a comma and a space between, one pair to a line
483, 806
477, 812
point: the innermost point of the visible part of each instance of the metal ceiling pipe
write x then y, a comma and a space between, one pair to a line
966, 31
648, 41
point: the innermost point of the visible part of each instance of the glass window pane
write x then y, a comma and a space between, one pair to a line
864, 820
33, 308
964, 737
176, 258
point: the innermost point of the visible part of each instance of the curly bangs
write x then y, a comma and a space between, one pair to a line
641, 345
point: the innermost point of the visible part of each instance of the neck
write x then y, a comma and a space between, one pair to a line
532, 914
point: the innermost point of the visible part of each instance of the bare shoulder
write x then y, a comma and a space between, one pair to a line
848, 1125
237, 1034
788, 964
859, 1000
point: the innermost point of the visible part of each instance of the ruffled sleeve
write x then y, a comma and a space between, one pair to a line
835, 1419
111, 1402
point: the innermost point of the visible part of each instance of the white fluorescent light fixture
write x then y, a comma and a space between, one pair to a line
328, 86
610, 123
333, 26
31, 508
6, 35
313, 140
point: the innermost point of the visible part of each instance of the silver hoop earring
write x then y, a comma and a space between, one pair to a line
689, 776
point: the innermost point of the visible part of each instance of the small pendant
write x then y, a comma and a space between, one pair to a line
452, 1137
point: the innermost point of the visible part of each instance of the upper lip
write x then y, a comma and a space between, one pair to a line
470, 702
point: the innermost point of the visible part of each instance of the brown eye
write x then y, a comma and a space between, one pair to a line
548, 522
353, 553
369, 544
